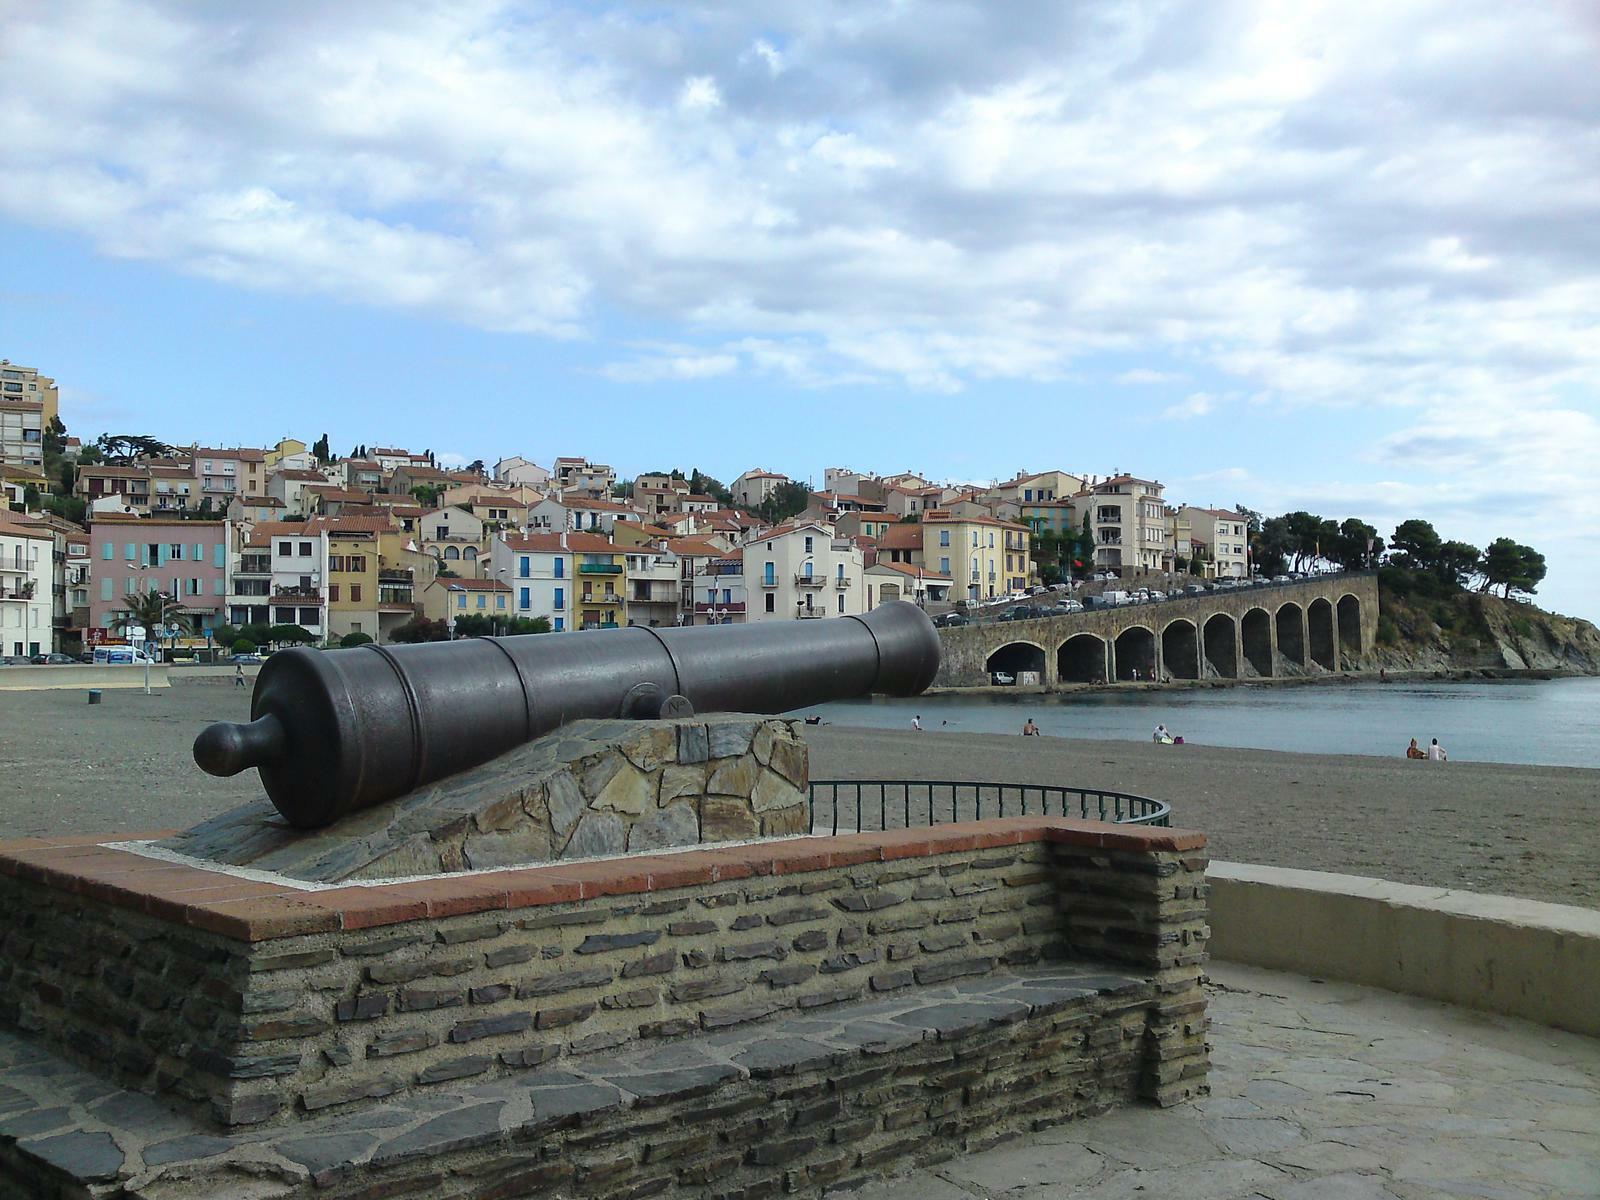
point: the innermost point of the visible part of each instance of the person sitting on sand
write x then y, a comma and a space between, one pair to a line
1030, 729
1415, 751
1161, 734
916, 722
1436, 752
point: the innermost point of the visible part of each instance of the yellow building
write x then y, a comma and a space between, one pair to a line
352, 580
599, 568
983, 557
287, 448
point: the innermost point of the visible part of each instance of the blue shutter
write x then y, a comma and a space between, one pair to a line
523, 600
199, 552
108, 551
133, 552
219, 555
161, 554
106, 586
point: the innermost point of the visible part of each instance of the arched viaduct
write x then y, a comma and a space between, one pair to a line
1307, 627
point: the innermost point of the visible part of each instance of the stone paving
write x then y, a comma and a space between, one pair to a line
1324, 1091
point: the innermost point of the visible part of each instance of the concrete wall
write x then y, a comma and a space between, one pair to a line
966, 651
1520, 958
30, 679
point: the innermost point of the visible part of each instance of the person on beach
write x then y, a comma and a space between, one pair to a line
916, 722
1030, 729
1436, 752
1161, 734
238, 674
1415, 751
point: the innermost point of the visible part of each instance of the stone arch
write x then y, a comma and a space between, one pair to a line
1255, 636
470, 553
1082, 659
1180, 650
1349, 611
1319, 624
1220, 641
452, 553
436, 552
1291, 623
1134, 650
888, 592
1016, 657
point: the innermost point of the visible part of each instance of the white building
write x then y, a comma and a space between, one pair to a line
843, 481
538, 568
26, 573
1226, 538
800, 570
588, 515
583, 477
1131, 526
901, 581
718, 592
277, 577
517, 469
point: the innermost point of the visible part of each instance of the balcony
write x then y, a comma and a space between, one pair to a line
394, 575
768, 581
811, 581
599, 569
1108, 516
255, 564
806, 614
841, 581
614, 598
394, 596
297, 593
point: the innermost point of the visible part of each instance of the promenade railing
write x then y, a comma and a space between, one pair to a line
868, 805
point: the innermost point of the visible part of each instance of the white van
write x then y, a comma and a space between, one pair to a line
120, 656
1115, 598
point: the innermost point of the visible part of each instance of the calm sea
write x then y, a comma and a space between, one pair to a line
1552, 722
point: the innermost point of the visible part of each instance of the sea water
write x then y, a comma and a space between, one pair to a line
1550, 722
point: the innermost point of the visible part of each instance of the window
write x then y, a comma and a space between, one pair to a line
944, 537
108, 551
355, 593
841, 571
333, 593
305, 549
768, 575
483, 601
944, 566
500, 600
561, 624
194, 587
461, 600
524, 598
841, 601
991, 540
727, 595
199, 552
175, 551
106, 587
561, 571
808, 545
132, 552
974, 538
336, 563
561, 599
524, 569
358, 563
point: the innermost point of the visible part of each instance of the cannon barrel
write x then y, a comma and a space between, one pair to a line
334, 731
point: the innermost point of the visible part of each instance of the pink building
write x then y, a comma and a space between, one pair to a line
187, 559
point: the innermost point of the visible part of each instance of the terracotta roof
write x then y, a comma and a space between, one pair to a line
576, 543
350, 525
691, 547
135, 519
901, 537
594, 505
300, 473
913, 571
115, 471
242, 454
762, 475
261, 501
341, 495
362, 464
500, 501
390, 452
266, 531
14, 526
940, 517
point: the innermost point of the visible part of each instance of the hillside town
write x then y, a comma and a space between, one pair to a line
251, 547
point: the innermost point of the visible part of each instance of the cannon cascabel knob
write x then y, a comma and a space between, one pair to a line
226, 748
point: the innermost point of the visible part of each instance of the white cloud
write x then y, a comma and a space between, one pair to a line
679, 365
1142, 376
1197, 404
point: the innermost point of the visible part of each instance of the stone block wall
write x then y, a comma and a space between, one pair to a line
589, 789
295, 1004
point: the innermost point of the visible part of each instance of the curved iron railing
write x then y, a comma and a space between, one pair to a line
842, 805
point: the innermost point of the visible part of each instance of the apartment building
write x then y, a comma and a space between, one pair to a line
357, 474
248, 510
447, 599
299, 489
901, 542
538, 569
601, 570
391, 458
26, 605
579, 475
802, 570
653, 587
751, 488
1222, 539
1129, 521
22, 426
187, 559
25, 383
278, 577
289, 452
357, 601
718, 592
519, 470
456, 538
224, 474
864, 524
983, 557
68, 572
585, 514
107, 487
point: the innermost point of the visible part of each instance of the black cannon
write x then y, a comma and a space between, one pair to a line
334, 731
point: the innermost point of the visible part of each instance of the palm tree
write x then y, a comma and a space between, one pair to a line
149, 609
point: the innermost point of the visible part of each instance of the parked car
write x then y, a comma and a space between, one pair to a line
58, 660
1154, 595
952, 620
1195, 589
1073, 606
1003, 679
246, 659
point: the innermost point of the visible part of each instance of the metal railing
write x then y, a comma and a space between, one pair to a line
869, 805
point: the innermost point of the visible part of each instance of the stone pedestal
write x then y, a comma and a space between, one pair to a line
591, 789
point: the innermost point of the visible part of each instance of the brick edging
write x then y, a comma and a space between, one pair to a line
252, 911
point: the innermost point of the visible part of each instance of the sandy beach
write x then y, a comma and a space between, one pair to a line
125, 766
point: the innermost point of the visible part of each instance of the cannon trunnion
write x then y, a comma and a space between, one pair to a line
334, 731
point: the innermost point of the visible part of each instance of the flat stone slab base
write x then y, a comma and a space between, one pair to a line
792, 1104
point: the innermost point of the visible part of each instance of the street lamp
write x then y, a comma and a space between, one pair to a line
449, 616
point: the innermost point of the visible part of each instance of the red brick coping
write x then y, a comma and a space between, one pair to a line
251, 911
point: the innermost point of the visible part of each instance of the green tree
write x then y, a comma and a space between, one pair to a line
244, 646
130, 447
786, 500
1418, 543
150, 610
1271, 546
224, 635
420, 629
427, 495
321, 451
353, 639
55, 437
1456, 562
281, 635
1350, 549
258, 632
1512, 566
30, 498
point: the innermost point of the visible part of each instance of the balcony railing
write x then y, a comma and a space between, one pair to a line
769, 581
806, 614
390, 575
841, 581
297, 593
611, 599
810, 581
599, 569
251, 564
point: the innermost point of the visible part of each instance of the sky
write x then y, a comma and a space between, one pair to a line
1334, 256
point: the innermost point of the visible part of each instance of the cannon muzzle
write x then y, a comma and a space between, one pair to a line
334, 731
